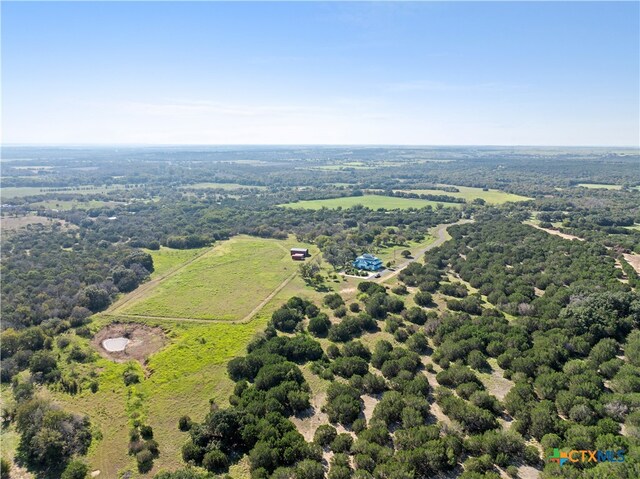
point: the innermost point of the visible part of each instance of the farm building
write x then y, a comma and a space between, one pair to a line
368, 261
303, 251
297, 256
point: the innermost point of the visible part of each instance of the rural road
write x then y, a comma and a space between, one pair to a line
440, 233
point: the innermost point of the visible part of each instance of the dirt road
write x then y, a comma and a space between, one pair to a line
441, 235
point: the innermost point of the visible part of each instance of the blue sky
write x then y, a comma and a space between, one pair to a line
544, 73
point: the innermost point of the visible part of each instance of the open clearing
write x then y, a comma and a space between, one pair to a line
225, 283
142, 341
601, 186
222, 186
469, 194
14, 223
65, 205
20, 191
373, 202
179, 380
166, 259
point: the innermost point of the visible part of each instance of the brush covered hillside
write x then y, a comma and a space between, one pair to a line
157, 324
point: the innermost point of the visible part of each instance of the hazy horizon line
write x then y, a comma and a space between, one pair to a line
295, 145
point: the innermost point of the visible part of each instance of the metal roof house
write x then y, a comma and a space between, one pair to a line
368, 262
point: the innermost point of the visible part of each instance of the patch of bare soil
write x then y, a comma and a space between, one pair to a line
308, 421
497, 384
558, 233
369, 405
143, 341
633, 260
528, 472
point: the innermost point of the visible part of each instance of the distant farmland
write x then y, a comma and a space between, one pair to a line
599, 186
370, 201
469, 194
225, 283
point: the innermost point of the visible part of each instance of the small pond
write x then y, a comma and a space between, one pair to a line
115, 344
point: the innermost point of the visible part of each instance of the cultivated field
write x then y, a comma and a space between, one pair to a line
370, 201
470, 194
225, 283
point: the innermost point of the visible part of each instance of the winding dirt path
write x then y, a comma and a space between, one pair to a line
440, 233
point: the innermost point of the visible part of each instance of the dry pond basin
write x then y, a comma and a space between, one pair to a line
126, 341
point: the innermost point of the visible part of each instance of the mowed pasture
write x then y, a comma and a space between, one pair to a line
225, 283
469, 194
599, 186
373, 202
167, 259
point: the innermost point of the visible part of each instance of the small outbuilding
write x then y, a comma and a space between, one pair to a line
298, 256
303, 251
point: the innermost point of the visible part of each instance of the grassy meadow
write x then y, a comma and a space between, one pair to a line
469, 194
20, 191
178, 380
599, 186
165, 259
225, 283
222, 186
373, 202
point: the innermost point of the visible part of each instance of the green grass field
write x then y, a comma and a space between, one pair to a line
21, 191
600, 186
469, 194
225, 283
180, 380
370, 201
166, 259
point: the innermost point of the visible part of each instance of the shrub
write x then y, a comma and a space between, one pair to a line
400, 289
340, 311
146, 432
5, 469
130, 377
184, 423
309, 469
422, 298
215, 461
342, 443
319, 325
324, 435
75, 470
333, 300
145, 460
